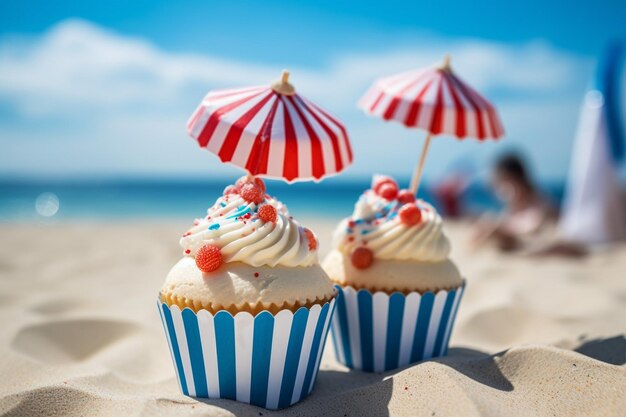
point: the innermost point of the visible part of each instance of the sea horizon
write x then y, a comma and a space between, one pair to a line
185, 198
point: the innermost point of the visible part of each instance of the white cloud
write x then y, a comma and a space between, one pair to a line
86, 101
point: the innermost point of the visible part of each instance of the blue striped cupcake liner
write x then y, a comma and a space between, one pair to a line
377, 332
266, 360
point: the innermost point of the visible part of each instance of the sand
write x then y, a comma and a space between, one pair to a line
81, 335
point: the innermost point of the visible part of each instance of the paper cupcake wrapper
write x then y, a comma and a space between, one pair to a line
378, 332
267, 360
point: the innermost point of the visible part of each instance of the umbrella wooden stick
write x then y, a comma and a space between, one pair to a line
417, 175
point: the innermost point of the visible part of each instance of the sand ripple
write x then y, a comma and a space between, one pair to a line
81, 336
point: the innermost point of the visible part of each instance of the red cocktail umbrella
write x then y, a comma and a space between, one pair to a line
271, 131
436, 100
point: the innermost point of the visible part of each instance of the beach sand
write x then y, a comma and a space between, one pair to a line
81, 335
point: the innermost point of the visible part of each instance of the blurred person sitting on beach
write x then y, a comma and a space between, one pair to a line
527, 214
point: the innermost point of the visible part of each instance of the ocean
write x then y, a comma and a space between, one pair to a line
22, 201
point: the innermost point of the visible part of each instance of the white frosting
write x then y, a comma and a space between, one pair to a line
375, 224
392, 275
234, 226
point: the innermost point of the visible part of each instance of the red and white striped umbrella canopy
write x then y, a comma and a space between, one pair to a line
271, 131
436, 100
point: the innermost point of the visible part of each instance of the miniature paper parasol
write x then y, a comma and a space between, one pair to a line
271, 131
436, 100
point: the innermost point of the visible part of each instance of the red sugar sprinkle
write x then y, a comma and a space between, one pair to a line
252, 193
351, 223
256, 274
267, 213
241, 181
311, 238
362, 258
187, 251
259, 183
350, 238
231, 189
250, 180
209, 258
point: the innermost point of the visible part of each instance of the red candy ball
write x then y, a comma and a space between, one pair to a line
241, 181
380, 180
231, 189
250, 180
252, 193
406, 196
410, 214
388, 191
267, 213
209, 258
311, 238
362, 257
259, 183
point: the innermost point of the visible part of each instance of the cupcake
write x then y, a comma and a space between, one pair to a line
399, 291
247, 308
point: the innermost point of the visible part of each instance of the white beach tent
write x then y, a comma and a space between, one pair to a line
594, 207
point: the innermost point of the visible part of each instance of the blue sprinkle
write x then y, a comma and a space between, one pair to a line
214, 226
244, 210
359, 221
223, 204
364, 232
348, 230
392, 215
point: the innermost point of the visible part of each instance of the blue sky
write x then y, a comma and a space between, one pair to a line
252, 29
104, 88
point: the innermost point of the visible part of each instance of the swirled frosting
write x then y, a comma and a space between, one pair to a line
234, 225
376, 225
